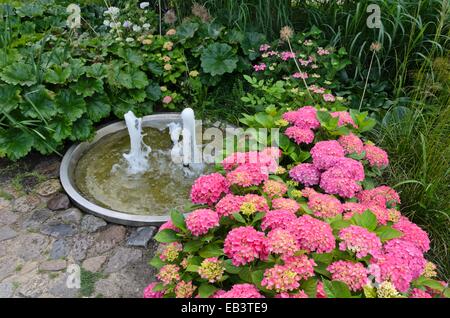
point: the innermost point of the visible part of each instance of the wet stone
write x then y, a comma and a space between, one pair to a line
60, 249
108, 239
8, 217
94, 264
48, 188
91, 223
141, 236
59, 201
7, 233
6, 290
72, 215
53, 265
31, 246
59, 230
49, 168
80, 247
122, 258
26, 203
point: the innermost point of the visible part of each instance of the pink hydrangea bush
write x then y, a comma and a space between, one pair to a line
313, 227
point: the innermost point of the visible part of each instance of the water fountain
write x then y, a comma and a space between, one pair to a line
135, 172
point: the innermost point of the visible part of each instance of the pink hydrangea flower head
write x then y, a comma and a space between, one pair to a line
184, 289
344, 187
264, 47
382, 214
350, 273
209, 189
266, 158
376, 156
277, 219
418, 293
322, 51
167, 99
259, 67
171, 251
413, 234
281, 278
313, 235
285, 204
300, 135
329, 98
325, 206
287, 55
201, 221
211, 269
168, 274
241, 291
305, 117
229, 205
299, 294
346, 168
320, 292
149, 293
281, 242
326, 153
353, 207
300, 264
258, 201
351, 144
274, 188
244, 245
360, 241
248, 175
383, 196
168, 226
305, 173
344, 118
302, 75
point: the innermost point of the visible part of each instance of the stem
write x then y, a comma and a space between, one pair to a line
367, 80
298, 67
160, 18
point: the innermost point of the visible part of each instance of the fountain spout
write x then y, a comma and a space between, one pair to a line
137, 158
190, 150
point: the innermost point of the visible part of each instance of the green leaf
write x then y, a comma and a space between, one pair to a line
336, 289
70, 105
15, 143
246, 275
82, 129
218, 59
386, 233
98, 107
57, 74
251, 42
30, 10
369, 291
211, 250
138, 79
130, 56
9, 98
310, 287
153, 92
238, 217
230, 268
340, 224
38, 103
367, 220
19, 74
325, 258
97, 70
187, 30
192, 246
156, 262
178, 219
206, 290
88, 86
166, 236
62, 128
192, 268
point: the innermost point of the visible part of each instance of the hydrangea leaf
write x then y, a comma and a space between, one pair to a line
218, 59
386, 233
70, 104
178, 219
192, 246
166, 236
367, 220
206, 290
19, 74
211, 250
156, 262
98, 107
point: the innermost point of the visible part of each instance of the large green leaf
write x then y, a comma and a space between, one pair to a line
70, 105
218, 59
15, 143
19, 73
82, 129
88, 86
187, 30
166, 236
251, 42
130, 56
98, 107
97, 70
62, 128
57, 74
9, 98
38, 103
211, 250
367, 219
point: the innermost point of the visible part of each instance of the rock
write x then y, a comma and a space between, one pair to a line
72, 215
94, 264
53, 265
49, 168
59, 230
141, 236
26, 203
108, 239
8, 266
4, 204
7, 217
123, 257
6, 290
91, 223
35, 221
60, 249
59, 201
118, 285
30, 246
7, 233
60, 288
48, 188
35, 286
80, 247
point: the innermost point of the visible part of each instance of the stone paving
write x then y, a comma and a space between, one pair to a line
45, 241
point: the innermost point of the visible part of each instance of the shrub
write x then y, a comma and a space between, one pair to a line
337, 235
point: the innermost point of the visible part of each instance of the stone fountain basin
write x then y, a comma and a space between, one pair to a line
73, 155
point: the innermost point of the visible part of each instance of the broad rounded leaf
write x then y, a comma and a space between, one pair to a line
70, 104
218, 59
9, 98
18, 73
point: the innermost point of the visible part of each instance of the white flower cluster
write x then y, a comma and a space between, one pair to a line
144, 5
